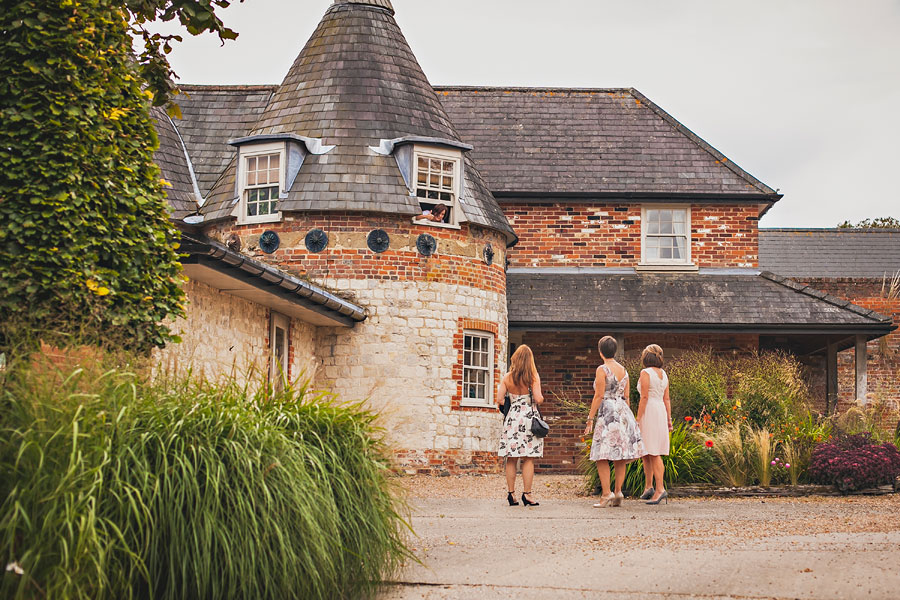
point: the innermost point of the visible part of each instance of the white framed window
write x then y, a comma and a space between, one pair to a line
478, 368
279, 329
666, 235
437, 173
261, 180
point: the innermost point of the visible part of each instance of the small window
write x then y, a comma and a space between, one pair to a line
263, 184
260, 177
278, 342
666, 236
478, 368
437, 174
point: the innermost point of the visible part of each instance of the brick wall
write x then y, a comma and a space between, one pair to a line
883, 355
609, 235
567, 362
458, 259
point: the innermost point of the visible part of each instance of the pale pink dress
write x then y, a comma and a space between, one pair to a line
655, 424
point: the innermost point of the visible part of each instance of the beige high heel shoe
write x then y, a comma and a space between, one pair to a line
607, 501
617, 501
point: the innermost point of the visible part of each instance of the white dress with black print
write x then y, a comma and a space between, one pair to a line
616, 433
516, 439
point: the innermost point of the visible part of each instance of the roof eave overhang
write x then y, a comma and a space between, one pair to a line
872, 331
231, 272
700, 197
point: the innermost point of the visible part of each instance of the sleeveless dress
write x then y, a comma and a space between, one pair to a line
655, 424
616, 434
516, 439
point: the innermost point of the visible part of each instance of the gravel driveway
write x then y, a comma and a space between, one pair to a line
473, 545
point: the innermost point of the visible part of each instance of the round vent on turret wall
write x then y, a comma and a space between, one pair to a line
378, 240
488, 253
316, 240
426, 244
269, 242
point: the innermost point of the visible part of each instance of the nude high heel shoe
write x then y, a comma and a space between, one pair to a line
606, 502
617, 501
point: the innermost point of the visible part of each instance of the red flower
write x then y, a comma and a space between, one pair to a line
689, 419
709, 443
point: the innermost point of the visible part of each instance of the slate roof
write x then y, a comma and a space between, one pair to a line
173, 166
589, 141
355, 83
754, 302
830, 253
212, 115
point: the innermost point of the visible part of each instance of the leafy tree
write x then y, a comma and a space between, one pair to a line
86, 245
878, 223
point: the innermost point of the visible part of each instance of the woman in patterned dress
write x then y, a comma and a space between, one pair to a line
616, 434
516, 440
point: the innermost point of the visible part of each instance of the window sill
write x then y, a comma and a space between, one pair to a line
667, 268
435, 224
276, 218
473, 404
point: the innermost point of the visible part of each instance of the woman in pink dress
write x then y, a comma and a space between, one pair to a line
655, 420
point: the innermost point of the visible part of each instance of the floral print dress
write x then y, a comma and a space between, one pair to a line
616, 433
516, 439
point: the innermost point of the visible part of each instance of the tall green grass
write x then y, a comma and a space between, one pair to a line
115, 487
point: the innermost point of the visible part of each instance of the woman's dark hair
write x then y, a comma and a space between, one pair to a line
652, 356
608, 346
439, 208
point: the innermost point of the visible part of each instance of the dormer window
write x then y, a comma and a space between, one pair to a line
666, 236
260, 181
437, 183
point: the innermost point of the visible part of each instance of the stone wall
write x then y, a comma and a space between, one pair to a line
609, 235
227, 337
406, 360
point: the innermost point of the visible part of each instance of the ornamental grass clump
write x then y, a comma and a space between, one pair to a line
116, 487
760, 451
854, 462
731, 461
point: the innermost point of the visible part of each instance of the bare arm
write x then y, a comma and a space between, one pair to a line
643, 388
599, 388
501, 392
668, 407
536, 394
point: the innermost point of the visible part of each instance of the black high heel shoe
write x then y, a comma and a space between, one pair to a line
528, 502
512, 501
663, 496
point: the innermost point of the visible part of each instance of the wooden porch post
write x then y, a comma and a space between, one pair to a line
620, 340
831, 379
861, 375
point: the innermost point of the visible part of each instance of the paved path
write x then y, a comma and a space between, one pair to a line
811, 549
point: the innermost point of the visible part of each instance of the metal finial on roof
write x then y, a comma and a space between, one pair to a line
382, 3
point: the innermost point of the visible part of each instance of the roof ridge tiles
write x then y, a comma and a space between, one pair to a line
227, 88
529, 89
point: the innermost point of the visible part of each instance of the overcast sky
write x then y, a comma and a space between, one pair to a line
803, 94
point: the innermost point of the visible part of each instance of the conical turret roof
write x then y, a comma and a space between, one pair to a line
355, 83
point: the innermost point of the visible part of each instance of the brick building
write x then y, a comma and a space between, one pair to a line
307, 210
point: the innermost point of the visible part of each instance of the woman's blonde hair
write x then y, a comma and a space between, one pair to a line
652, 356
521, 367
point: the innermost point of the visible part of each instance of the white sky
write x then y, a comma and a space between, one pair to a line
803, 94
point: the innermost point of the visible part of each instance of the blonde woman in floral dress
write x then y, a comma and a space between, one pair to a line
516, 440
616, 434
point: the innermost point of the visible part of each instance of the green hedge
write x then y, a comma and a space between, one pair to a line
115, 487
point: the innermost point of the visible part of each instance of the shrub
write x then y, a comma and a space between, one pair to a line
769, 388
853, 462
115, 487
760, 452
698, 383
731, 466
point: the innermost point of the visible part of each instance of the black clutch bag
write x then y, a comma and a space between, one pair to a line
539, 427
505, 407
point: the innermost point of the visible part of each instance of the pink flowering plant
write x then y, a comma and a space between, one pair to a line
853, 462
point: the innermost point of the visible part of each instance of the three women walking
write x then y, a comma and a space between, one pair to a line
617, 436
